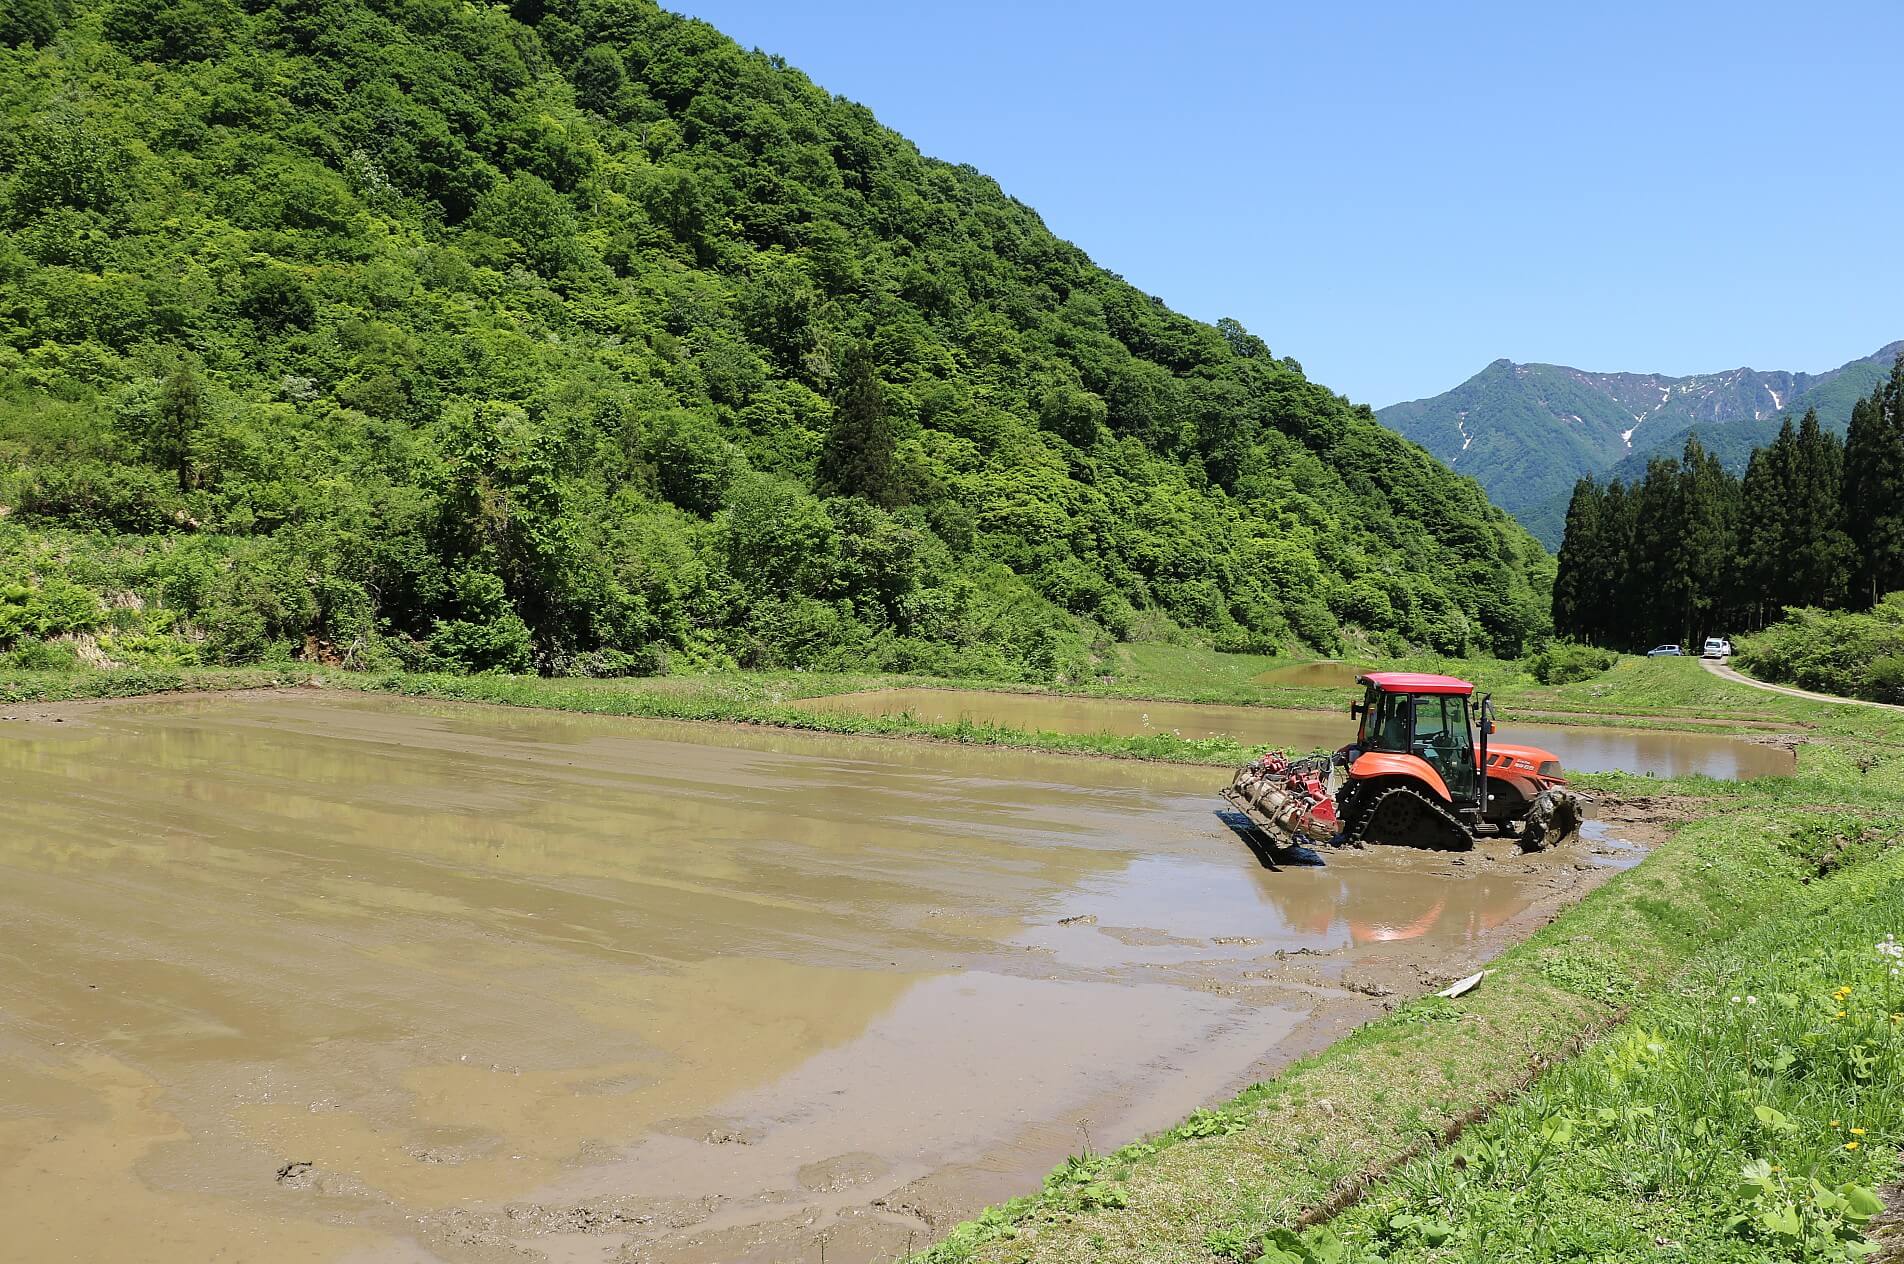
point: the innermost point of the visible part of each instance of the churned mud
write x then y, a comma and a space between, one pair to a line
1580, 747
292, 977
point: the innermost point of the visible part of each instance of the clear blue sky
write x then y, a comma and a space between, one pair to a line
1396, 194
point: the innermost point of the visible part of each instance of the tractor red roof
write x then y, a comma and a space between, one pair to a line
1416, 682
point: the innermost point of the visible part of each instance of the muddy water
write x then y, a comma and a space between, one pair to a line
1582, 748
1328, 674
288, 977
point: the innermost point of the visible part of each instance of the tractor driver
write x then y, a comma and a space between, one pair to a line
1399, 718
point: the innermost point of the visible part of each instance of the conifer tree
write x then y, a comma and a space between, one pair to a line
1660, 586
1579, 577
1709, 498
1765, 528
859, 458
1822, 554
1874, 489
1617, 616
181, 412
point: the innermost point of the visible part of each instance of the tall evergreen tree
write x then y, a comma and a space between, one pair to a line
860, 455
1821, 551
1617, 616
1765, 529
1660, 586
180, 414
1579, 577
1874, 489
1709, 497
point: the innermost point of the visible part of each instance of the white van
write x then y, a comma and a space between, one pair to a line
1717, 647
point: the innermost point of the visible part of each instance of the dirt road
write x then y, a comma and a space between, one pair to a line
1724, 672
290, 977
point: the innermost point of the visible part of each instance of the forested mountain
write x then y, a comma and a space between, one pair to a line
569, 335
1527, 432
1691, 550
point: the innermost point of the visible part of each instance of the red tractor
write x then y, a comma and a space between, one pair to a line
1421, 772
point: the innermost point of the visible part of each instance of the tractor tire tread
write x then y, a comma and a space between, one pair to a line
1453, 836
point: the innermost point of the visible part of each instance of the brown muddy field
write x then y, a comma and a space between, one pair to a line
1329, 673
294, 977
1580, 747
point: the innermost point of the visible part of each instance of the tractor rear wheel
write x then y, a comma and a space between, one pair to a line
1402, 816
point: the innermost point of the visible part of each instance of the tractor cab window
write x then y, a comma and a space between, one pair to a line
1443, 738
1385, 721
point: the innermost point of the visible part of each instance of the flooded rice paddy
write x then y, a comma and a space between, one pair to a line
1326, 674
1579, 747
293, 977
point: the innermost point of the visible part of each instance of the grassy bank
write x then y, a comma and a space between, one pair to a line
768, 699
1645, 1146
1750, 1112
1637, 693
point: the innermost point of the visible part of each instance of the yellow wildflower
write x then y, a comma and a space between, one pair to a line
1851, 1145
1834, 1123
1857, 1132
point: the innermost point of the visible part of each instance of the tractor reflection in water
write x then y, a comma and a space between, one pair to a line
1421, 772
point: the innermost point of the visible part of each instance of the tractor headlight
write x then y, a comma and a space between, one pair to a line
1550, 768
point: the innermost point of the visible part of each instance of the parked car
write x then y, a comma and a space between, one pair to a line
1664, 651
1717, 647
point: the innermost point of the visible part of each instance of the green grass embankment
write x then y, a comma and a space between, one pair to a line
766, 699
1780, 887
1638, 694
1749, 1112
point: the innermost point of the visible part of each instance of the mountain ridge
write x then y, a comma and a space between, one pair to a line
1528, 431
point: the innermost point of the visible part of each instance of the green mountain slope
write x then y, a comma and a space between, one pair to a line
1833, 394
1522, 431
1528, 432
570, 335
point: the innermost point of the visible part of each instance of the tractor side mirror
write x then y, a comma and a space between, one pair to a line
1355, 709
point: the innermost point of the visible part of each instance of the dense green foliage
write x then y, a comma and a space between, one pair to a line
1837, 651
1691, 551
1528, 432
1568, 662
568, 336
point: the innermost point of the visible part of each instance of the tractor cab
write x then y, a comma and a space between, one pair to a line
1424, 716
